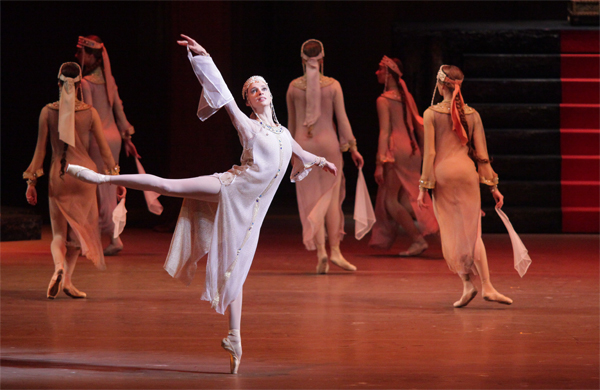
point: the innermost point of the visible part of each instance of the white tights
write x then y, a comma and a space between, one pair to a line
206, 188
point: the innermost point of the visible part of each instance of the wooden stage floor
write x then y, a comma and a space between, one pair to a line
389, 325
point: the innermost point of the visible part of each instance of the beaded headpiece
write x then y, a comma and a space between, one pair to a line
250, 81
111, 88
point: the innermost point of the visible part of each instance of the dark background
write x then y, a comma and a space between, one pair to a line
160, 92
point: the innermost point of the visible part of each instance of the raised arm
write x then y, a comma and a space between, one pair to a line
291, 109
347, 139
427, 176
35, 169
215, 93
383, 112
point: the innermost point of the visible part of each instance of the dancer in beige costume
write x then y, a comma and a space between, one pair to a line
455, 161
101, 92
71, 125
312, 101
399, 165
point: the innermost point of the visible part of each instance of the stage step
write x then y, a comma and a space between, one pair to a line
580, 219
512, 66
581, 91
580, 168
580, 194
580, 41
524, 167
579, 116
484, 90
519, 116
579, 66
523, 141
577, 142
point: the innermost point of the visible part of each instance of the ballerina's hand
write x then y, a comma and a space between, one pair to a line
31, 195
420, 200
330, 167
130, 149
358, 159
379, 175
192, 45
499, 198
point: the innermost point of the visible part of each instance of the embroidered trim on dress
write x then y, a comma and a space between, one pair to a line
324, 81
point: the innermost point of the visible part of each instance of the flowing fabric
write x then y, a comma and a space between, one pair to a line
151, 197
228, 230
521, 257
364, 215
119, 218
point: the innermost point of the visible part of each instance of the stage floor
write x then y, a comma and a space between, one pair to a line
391, 324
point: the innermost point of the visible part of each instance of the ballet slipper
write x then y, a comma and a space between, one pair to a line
86, 175
416, 248
115, 247
468, 295
56, 283
339, 260
233, 345
323, 261
73, 292
495, 296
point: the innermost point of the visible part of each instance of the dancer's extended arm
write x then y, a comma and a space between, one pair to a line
427, 177
347, 139
308, 160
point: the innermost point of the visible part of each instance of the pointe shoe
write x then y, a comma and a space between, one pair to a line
112, 250
415, 249
323, 266
339, 260
466, 298
86, 175
235, 357
74, 293
497, 297
55, 285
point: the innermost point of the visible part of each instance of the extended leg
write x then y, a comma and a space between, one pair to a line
233, 342
58, 248
205, 188
322, 259
481, 263
70, 262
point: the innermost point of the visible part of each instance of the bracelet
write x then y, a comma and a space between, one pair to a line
489, 182
115, 171
31, 182
349, 146
321, 162
493, 189
425, 184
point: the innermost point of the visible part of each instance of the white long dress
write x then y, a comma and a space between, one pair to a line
228, 230
114, 122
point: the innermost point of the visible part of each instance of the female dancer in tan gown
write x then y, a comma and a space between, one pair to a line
399, 165
71, 126
454, 140
312, 101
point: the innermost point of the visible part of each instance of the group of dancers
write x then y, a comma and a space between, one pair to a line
222, 214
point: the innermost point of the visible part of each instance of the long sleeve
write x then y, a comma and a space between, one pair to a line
125, 128
428, 176
216, 94
383, 112
291, 109
35, 169
302, 162
87, 92
98, 134
486, 173
344, 129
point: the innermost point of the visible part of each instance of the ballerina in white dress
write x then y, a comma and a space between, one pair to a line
222, 213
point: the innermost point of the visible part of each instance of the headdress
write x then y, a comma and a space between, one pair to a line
457, 127
313, 71
111, 88
66, 106
410, 101
259, 79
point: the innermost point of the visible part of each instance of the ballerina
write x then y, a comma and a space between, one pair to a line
222, 213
